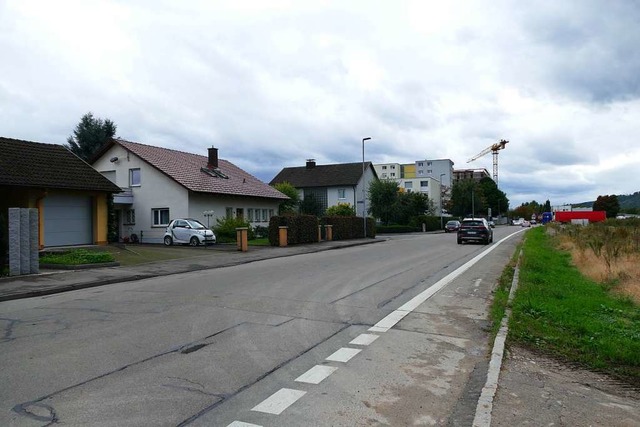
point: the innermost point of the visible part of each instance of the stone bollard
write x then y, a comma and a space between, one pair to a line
329, 232
242, 238
282, 235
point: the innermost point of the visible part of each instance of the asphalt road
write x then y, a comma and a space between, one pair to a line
268, 343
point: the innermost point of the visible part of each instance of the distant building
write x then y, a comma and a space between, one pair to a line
431, 177
474, 174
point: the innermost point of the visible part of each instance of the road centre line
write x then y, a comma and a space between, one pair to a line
279, 401
396, 316
316, 374
364, 339
343, 355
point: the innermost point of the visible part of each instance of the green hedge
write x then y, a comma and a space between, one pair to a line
301, 229
349, 227
432, 222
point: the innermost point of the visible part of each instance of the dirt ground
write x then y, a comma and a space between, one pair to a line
537, 391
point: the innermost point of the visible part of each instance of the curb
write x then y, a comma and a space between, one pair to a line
78, 266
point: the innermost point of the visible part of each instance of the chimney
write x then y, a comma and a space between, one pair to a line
213, 158
311, 163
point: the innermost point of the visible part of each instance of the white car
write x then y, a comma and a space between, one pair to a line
188, 230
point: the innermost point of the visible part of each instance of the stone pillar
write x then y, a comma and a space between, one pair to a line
242, 238
34, 242
25, 242
14, 241
329, 232
319, 233
282, 235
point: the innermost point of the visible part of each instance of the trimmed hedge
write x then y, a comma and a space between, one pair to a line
431, 222
301, 229
350, 227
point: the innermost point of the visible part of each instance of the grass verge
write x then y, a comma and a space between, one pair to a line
560, 312
501, 293
76, 257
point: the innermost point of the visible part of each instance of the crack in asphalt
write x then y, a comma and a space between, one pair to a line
370, 286
8, 330
260, 378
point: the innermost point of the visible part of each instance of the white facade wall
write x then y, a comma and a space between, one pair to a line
349, 196
435, 168
199, 203
432, 189
388, 171
364, 184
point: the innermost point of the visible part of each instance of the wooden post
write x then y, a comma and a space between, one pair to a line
282, 235
242, 238
329, 232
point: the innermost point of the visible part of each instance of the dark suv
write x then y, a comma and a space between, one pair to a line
475, 230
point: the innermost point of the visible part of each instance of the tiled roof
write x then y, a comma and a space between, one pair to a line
186, 170
34, 164
347, 174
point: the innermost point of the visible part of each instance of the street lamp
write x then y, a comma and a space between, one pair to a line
364, 187
441, 175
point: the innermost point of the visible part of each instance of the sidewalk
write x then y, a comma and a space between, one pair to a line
49, 282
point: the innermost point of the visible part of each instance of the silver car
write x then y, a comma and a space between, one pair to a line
188, 230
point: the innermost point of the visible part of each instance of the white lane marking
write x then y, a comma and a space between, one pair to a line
316, 374
394, 317
241, 424
344, 354
279, 401
364, 339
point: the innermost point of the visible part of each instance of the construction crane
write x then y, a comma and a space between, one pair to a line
494, 149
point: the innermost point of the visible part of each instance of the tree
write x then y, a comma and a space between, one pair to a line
467, 198
89, 135
291, 205
383, 195
547, 206
410, 205
493, 198
609, 204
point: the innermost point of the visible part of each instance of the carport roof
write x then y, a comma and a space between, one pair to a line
35, 164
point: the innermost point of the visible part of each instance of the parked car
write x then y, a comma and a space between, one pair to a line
492, 224
188, 230
451, 226
475, 230
526, 223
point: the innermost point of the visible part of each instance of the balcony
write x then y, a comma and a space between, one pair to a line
123, 198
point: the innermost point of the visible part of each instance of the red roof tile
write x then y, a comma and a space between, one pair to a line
186, 170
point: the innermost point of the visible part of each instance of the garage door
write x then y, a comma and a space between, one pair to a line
67, 220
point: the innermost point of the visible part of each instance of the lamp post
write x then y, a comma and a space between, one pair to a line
364, 189
441, 175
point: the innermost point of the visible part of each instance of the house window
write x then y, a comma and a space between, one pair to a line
408, 184
134, 177
270, 213
429, 163
384, 175
160, 217
393, 174
420, 172
240, 213
265, 213
129, 217
429, 170
341, 193
424, 183
229, 212
393, 167
250, 214
420, 164
384, 168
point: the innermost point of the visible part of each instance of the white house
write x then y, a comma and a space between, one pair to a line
331, 184
162, 184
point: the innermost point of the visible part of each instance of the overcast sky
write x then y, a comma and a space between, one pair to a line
274, 82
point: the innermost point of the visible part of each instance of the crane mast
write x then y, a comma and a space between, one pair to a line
494, 148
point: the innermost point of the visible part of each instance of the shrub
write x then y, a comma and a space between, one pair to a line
225, 229
260, 231
341, 209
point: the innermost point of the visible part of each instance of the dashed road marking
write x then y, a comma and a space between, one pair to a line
279, 401
241, 424
344, 354
316, 374
364, 339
